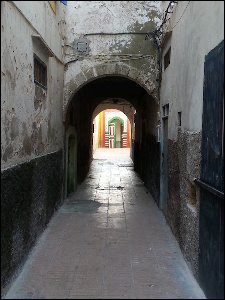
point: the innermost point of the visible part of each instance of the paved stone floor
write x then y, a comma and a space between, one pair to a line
108, 240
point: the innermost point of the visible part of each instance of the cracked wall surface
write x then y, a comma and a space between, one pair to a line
31, 123
110, 51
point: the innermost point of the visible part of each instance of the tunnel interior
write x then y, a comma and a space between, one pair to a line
113, 124
115, 91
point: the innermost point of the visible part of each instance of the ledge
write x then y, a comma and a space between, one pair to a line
38, 38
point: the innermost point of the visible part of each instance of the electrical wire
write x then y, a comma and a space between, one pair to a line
165, 17
181, 15
155, 35
113, 33
120, 55
106, 60
110, 54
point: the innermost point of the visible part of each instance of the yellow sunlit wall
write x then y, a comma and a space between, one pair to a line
53, 5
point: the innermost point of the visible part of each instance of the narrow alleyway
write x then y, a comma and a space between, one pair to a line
108, 240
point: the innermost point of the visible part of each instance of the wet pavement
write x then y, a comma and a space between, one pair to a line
109, 240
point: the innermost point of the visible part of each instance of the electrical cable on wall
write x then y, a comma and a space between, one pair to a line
106, 60
181, 15
155, 35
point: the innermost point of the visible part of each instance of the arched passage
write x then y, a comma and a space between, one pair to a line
111, 129
145, 149
120, 104
124, 107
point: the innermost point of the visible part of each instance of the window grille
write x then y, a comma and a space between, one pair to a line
40, 72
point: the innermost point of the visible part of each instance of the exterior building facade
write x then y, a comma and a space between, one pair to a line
192, 45
160, 64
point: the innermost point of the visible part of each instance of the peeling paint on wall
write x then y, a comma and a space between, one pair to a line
104, 23
23, 102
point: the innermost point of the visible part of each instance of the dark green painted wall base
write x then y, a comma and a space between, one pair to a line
30, 194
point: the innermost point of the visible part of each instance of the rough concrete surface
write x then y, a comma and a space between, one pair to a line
183, 200
108, 240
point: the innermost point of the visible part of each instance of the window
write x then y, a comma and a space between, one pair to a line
167, 59
40, 72
165, 110
179, 118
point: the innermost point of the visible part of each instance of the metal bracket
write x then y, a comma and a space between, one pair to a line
81, 45
209, 188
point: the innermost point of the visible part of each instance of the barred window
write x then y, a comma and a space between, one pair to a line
40, 72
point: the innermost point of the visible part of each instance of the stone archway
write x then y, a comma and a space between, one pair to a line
73, 85
83, 95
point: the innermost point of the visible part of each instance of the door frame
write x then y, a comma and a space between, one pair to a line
111, 122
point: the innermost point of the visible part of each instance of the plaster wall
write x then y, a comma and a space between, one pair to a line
198, 31
196, 28
49, 24
31, 122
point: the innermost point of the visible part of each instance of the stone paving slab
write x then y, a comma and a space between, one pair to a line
108, 241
